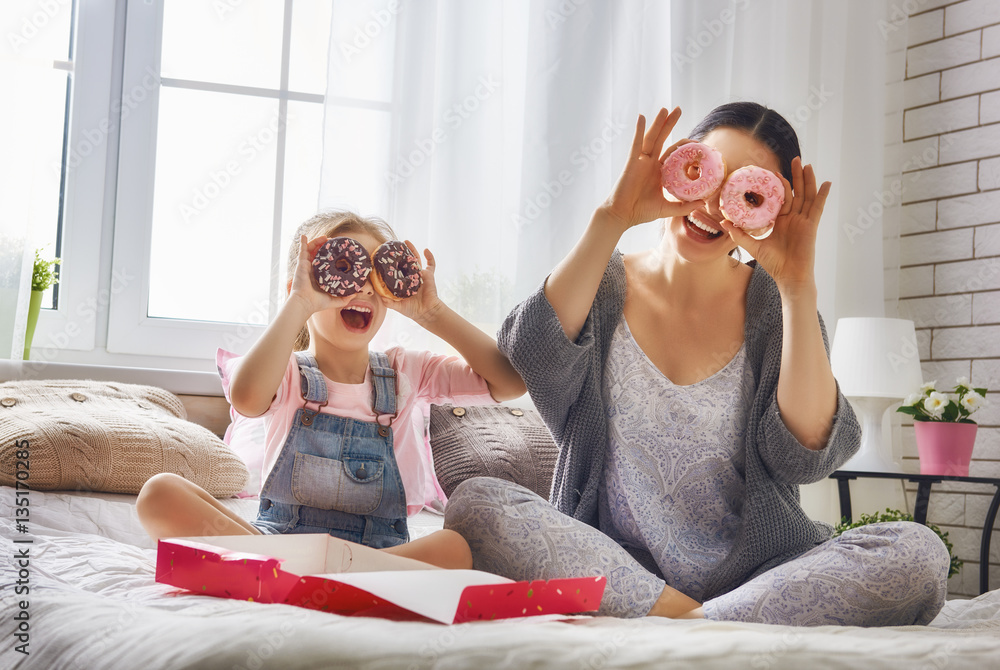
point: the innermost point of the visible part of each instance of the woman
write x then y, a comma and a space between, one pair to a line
690, 395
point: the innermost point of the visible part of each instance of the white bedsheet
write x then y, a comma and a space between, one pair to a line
94, 604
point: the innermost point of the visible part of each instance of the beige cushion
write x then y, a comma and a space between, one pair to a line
491, 441
106, 436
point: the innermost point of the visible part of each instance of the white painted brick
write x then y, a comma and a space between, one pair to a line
894, 96
925, 27
949, 245
922, 90
940, 182
949, 310
924, 344
895, 38
918, 154
946, 508
971, 79
989, 174
944, 372
986, 374
982, 142
975, 341
987, 443
989, 107
985, 308
991, 41
941, 117
976, 275
918, 218
942, 54
989, 414
965, 541
987, 240
984, 469
918, 7
916, 281
969, 210
976, 508
970, 15
893, 128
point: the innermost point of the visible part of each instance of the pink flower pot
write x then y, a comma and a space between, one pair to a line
945, 448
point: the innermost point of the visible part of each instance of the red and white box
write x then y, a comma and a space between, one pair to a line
325, 573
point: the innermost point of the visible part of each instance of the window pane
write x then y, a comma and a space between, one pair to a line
35, 30
303, 161
226, 43
356, 146
213, 206
310, 42
363, 49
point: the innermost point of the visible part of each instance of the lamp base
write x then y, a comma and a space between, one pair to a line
874, 455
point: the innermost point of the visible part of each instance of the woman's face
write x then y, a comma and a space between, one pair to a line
699, 236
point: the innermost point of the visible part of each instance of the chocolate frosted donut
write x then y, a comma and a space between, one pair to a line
341, 266
397, 271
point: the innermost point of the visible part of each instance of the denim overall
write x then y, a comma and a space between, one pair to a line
337, 475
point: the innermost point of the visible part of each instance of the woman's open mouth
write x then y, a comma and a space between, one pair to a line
356, 317
701, 229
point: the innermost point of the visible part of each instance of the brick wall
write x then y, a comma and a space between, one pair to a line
949, 242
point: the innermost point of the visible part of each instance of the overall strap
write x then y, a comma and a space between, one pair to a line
383, 385
313, 382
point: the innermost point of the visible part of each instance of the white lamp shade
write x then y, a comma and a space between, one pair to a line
876, 357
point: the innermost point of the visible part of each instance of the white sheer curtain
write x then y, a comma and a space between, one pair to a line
488, 131
822, 65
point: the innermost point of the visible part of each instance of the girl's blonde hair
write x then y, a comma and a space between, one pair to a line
334, 223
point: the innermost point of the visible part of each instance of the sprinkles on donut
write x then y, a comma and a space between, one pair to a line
693, 171
752, 197
341, 266
397, 271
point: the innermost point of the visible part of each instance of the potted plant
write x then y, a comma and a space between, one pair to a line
44, 275
945, 433
896, 515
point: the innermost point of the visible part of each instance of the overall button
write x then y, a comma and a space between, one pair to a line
400, 526
79, 397
517, 412
8, 402
361, 473
458, 411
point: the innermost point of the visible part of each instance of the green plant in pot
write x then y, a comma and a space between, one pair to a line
44, 275
896, 515
945, 433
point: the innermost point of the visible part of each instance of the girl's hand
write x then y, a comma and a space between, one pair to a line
789, 252
426, 303
638, 195
304, 288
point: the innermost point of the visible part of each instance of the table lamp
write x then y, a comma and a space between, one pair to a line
876, 363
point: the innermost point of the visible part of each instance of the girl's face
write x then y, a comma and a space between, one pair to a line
690, 234
353, 321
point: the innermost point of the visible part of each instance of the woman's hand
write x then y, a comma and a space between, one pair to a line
303, 287
426, 303
789, 252
638, 195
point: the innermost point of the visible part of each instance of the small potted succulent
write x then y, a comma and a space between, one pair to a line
945, 433
44, 275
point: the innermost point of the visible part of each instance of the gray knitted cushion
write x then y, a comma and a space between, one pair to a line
491, 441
106, 436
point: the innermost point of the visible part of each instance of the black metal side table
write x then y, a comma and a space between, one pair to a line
923, 483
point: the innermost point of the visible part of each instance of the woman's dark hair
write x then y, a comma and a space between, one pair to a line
763, 124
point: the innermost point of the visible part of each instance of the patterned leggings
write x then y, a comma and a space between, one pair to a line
887, 574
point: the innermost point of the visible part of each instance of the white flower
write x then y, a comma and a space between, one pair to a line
912, 399
973, 401
962, 381
935, 404
929, 386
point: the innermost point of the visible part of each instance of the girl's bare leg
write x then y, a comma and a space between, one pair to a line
171, 506
443, 548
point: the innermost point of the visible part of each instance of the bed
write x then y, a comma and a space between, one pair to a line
94, 603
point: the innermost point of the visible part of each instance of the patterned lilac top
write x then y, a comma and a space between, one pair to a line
673, 486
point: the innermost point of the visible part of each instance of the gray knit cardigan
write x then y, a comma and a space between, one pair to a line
564, 379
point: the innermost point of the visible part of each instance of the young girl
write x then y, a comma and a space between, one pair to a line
344, 426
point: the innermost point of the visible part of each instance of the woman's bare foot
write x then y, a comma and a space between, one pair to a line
673, 604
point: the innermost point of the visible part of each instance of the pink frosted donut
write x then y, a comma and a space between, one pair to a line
341, 266
693, 171
752, 197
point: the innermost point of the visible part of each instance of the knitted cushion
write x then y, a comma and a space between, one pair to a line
104, 436
491, 441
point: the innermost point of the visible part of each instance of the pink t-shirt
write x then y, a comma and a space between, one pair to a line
422, 378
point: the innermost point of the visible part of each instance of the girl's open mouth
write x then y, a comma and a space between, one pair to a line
356, 317
701, 228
